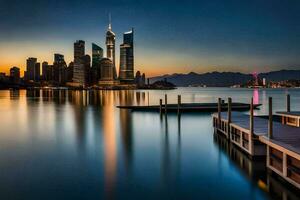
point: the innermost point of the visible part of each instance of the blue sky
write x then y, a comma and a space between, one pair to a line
170, 36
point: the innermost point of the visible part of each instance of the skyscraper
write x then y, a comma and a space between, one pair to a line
37, 71
79, 50
58, 58
126, 72
69, 74
14, 75
97, 54
110, 44
59, 69
45, 71
107, 71
79, 68
86, 60
30, 67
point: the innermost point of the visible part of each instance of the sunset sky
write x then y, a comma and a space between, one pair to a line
170, 36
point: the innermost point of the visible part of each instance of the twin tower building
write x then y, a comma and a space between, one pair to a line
103, 70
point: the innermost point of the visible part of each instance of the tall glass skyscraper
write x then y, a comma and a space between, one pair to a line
30, 68
97, 54
79, 67
126, 72
110, 44
59, 69
79, 50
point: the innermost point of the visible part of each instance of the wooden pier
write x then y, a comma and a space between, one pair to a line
258, 136
289, 117
164, 107
188, 107
238, 131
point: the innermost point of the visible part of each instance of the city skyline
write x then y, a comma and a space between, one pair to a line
206, 36
85, 71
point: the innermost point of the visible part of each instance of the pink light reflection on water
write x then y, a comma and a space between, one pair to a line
255, 96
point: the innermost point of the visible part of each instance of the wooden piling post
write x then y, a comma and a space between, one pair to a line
288, 103
160, 106
229, 116
229, 110
270, 127
179, 103
251, 117
219, 112
166, 103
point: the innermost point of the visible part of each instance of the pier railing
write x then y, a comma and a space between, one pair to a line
259, 136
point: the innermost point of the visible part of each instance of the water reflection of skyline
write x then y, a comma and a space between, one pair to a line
255, 170
110, 146
115, 147
103, 102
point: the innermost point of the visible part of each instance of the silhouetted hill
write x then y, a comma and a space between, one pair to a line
225, 79
281, 75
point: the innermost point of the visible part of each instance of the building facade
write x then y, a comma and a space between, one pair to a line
126, 72
45, 71
110, 44
97, 55
37, 72
14, 74
107, 70
59, 69
78, 67
30, 68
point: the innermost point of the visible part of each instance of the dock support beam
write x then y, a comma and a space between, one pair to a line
160, 106
251, 117
229, 117
179, 103
270, 127
166, 103
219, 112
288, 103
229, 110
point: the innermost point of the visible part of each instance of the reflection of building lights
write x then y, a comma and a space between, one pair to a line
262, 185
255, 96
110, 145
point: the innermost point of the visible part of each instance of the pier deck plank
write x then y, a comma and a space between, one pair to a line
286, 136
295, 114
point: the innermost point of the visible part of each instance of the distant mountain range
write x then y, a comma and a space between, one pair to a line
225, 79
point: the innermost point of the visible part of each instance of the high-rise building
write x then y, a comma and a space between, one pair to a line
143, 79
70, 69
140, 78
59, 58
97, 55
87, 68
79, 50
79, 67
110, 44
59, 69
37, 72
14, 75
30, 68
126, 72
45, 71
107, 70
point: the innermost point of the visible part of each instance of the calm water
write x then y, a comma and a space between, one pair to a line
78, 145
